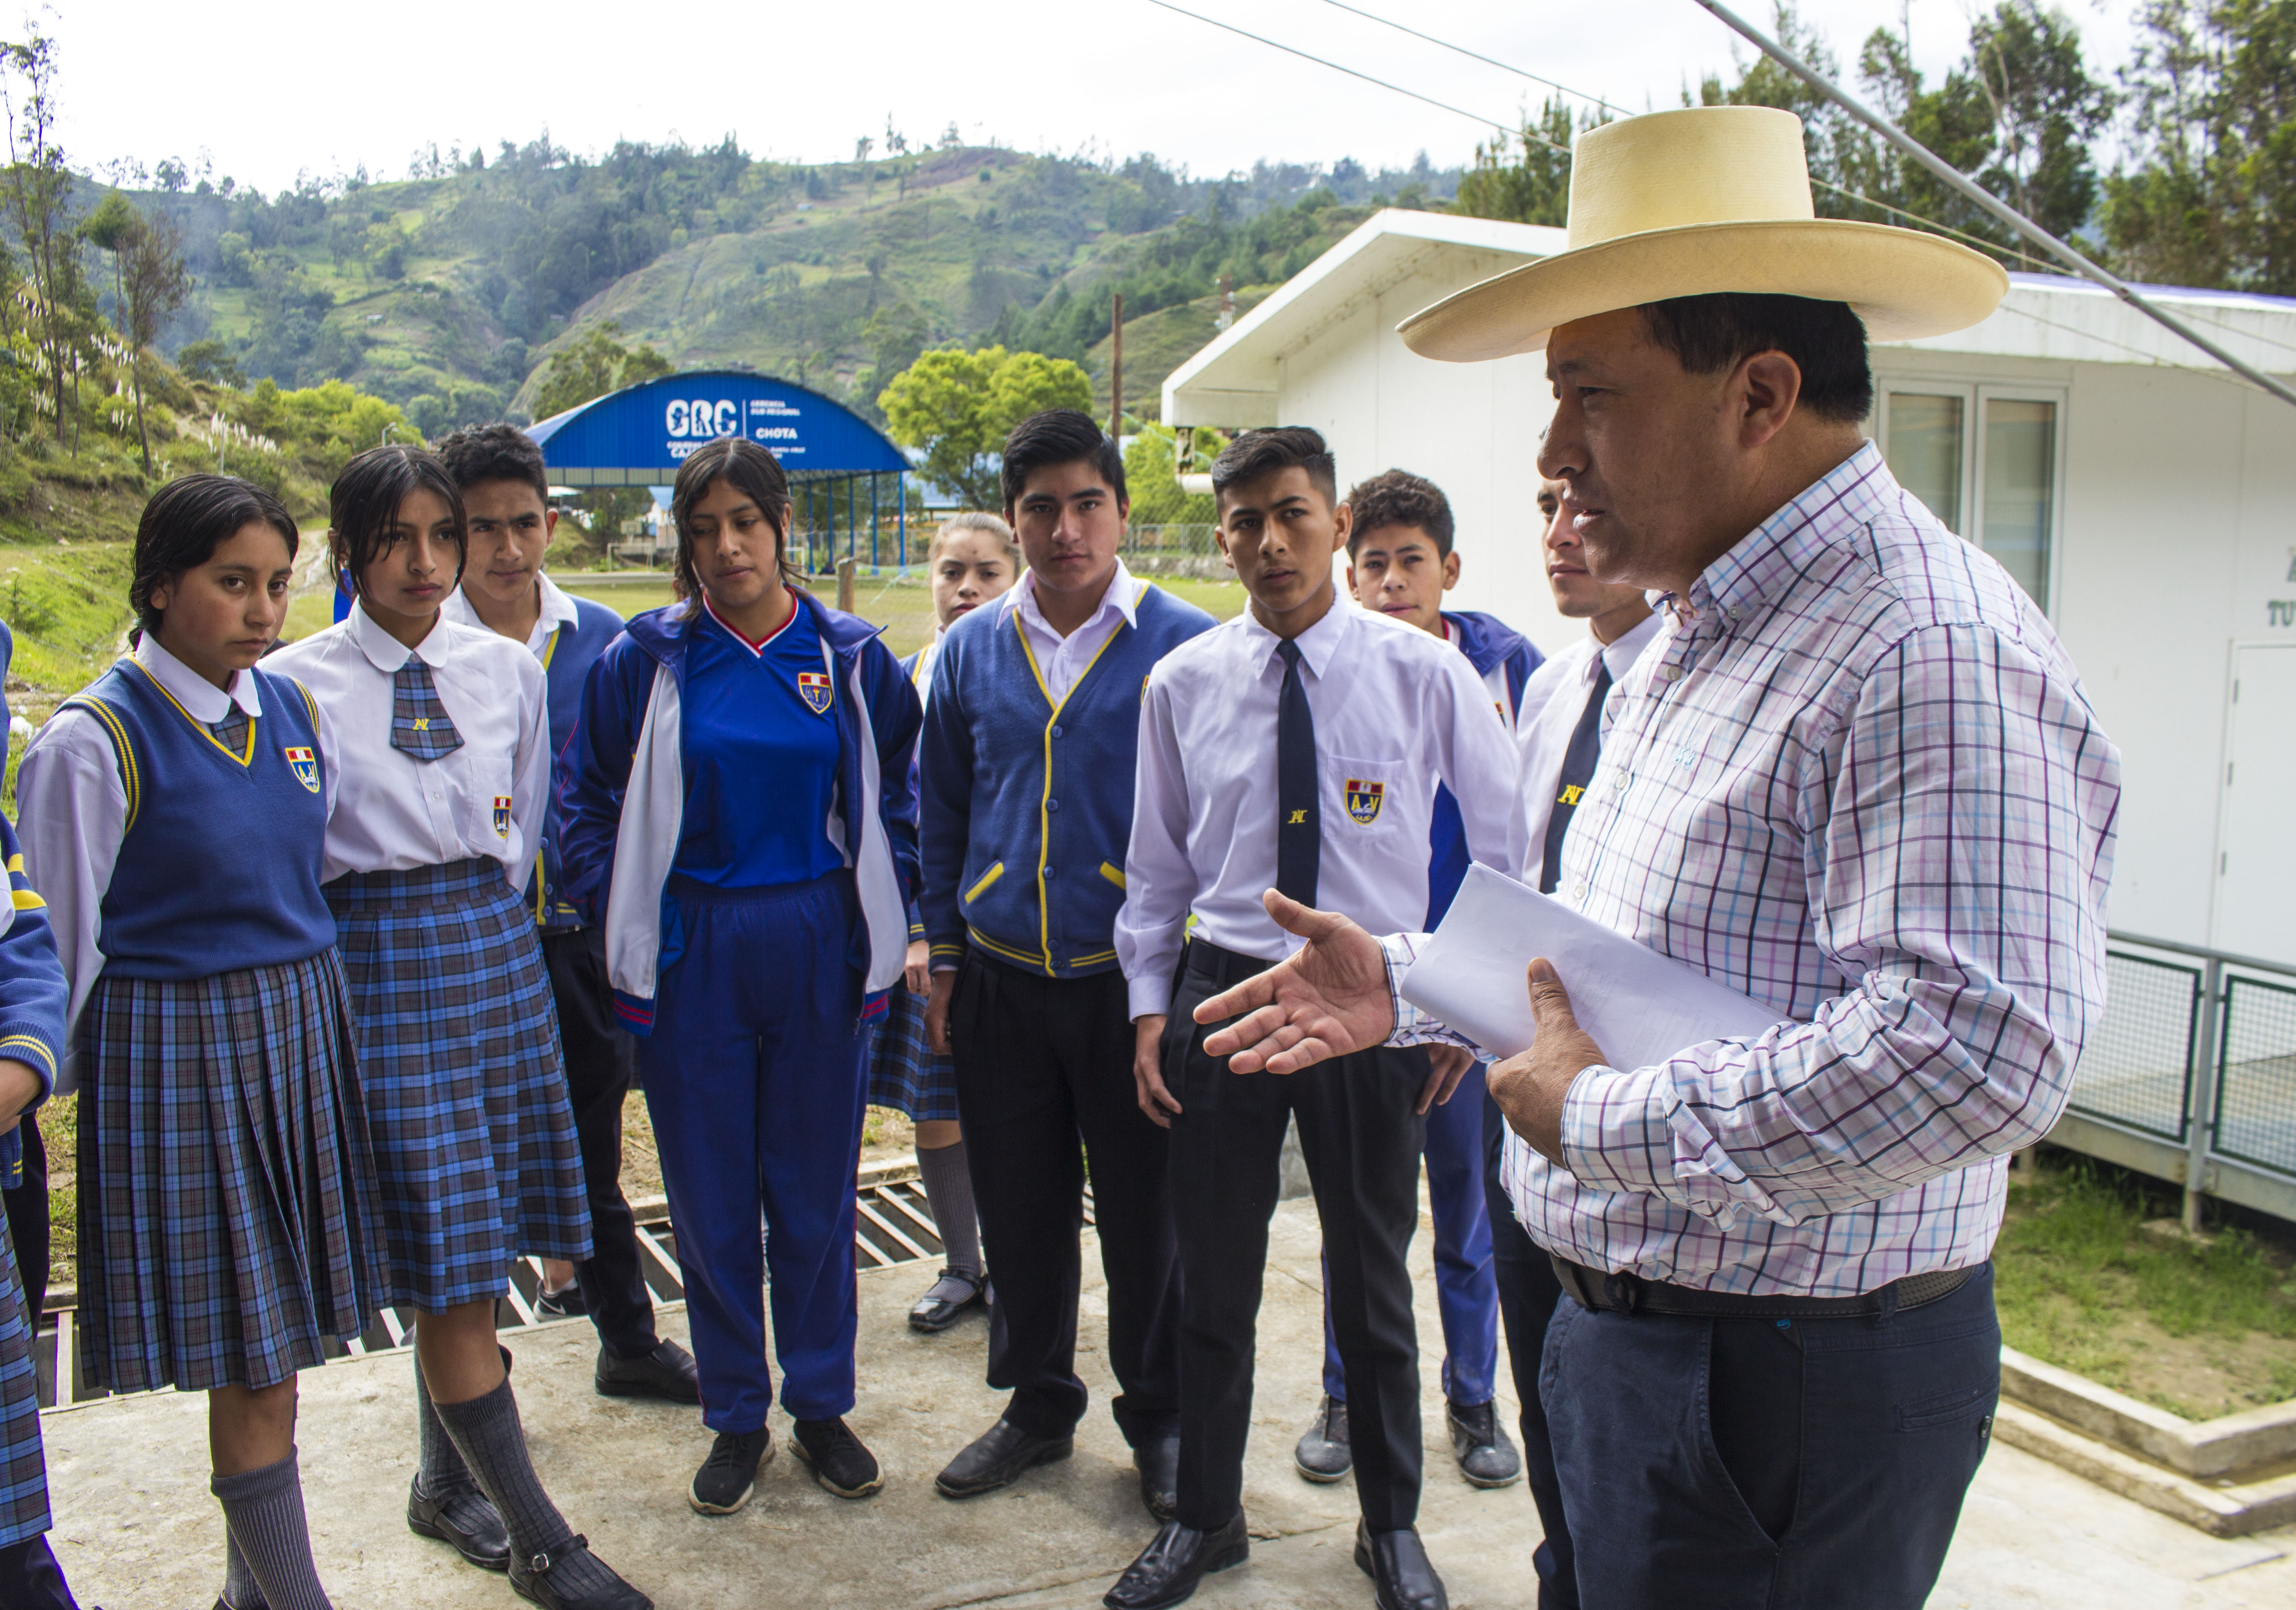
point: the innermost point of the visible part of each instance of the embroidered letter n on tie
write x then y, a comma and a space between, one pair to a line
1298, 823
418, 723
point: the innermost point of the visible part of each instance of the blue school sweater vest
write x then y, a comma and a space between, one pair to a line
219, 869
1051, 813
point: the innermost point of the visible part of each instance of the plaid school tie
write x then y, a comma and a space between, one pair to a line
231, 732
419, 723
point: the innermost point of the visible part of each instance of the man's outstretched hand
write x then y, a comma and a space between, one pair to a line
1329, 999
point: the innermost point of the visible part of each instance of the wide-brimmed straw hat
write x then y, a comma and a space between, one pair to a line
1711, 199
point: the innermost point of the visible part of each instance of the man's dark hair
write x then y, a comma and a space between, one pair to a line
1825, 340
1060, 436
363, 502
750, 469
495, 453
186, 522
1397, 497
1260, 453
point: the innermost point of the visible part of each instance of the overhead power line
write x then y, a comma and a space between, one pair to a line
1504, 67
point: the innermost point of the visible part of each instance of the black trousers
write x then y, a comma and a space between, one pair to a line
599, 1058
1043, 1083
1362, 1139
1528, 1293
27, 1220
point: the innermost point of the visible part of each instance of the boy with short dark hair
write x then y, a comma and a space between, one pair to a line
506, 489
1298, 746
1026, 797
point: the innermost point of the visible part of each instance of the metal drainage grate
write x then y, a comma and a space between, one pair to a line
894, 1225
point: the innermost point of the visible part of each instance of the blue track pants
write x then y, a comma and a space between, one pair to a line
755, 1074
1466, 1293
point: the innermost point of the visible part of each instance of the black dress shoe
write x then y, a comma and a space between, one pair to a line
1169, 1568
464, 1519
1485, 1456
1322, 1454
998, 1457
603, 1590
1399, 1570
667, 1373
948, 1300
1158, 1460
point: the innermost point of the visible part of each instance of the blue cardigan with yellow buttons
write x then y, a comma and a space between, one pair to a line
1026, 808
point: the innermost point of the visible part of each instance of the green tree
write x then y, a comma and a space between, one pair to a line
958, 406
210, 361
154, 284
593, 367
1523, 179
1152, 477
38, 191
2212, 197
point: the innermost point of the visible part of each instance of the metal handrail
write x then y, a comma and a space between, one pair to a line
2203, 952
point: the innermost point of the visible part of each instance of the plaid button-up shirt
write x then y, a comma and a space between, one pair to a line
1860, 782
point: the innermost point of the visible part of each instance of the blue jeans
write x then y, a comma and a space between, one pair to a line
1467, 1291
1736, 1464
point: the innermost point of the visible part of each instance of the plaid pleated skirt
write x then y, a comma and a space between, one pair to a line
23, 1466
228, 1215
474, 1150
905, 1072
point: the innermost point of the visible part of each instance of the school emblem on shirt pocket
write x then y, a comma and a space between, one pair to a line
1365, 800
812, 687
501, 815
305, 764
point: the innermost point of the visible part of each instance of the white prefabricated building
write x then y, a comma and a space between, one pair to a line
2144, 494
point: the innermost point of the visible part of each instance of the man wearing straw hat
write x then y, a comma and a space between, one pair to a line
1858, 780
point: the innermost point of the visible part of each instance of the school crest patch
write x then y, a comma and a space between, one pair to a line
1365, 800
812, 687
501, 815
305, 764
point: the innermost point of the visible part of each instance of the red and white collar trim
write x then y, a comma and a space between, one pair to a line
797, 607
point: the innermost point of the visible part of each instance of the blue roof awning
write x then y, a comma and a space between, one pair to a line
638, 437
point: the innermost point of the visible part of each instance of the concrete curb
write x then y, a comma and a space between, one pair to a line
2226, 1511
2232, 1446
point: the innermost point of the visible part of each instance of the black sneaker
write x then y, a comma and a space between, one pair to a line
1323, 1453
564, 1304
840, 1462
729, 1475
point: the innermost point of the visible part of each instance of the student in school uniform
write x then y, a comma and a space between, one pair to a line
441, 735
1400, 562
507, 495
738, 818
174, 811
973, 559
25, 1202
1298, 746
1027, 791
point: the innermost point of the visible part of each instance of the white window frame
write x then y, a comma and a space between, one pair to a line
1974, 396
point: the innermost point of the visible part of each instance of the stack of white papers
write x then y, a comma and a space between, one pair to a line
1640, 1007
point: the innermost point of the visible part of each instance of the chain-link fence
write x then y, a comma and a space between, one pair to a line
2256, 1086
2137, 1068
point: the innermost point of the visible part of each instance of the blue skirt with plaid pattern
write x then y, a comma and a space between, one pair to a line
228, 1213
474, 1147
23, 1465
904, 1073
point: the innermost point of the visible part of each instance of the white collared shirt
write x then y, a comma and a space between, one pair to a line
557, 610
1553, 700
1062, 661
393, 811
1397, 711
73, 808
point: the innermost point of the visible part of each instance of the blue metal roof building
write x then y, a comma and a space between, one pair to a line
638, 436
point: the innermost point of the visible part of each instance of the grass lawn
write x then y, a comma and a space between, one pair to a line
2199, 1328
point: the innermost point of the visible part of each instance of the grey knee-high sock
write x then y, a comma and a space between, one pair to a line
441, 1470
492, 1442
264, 1509
948, 1186
241, 1590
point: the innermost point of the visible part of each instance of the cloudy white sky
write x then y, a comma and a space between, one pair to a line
269, 88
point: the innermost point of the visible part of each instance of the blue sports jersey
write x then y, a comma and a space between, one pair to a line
760, 743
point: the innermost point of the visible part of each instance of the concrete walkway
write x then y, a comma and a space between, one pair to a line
135, 1526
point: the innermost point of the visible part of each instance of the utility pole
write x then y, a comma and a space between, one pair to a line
1116, 373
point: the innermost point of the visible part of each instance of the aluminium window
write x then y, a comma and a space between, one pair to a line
1987, 461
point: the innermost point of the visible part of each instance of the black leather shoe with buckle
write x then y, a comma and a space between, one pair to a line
1402, 1576
532, 1576
1181, 1556
464, 1519
948, 1300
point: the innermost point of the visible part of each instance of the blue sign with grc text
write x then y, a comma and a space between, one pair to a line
639, 436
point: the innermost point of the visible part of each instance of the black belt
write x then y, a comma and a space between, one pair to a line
1630, 1293
1224, 967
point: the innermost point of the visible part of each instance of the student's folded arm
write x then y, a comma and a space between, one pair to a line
1964, 816
72, 815
614, 699
1159, 880
943, 809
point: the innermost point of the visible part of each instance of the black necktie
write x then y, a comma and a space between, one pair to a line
419, 723
1299, 824
1577, 767
231, 732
